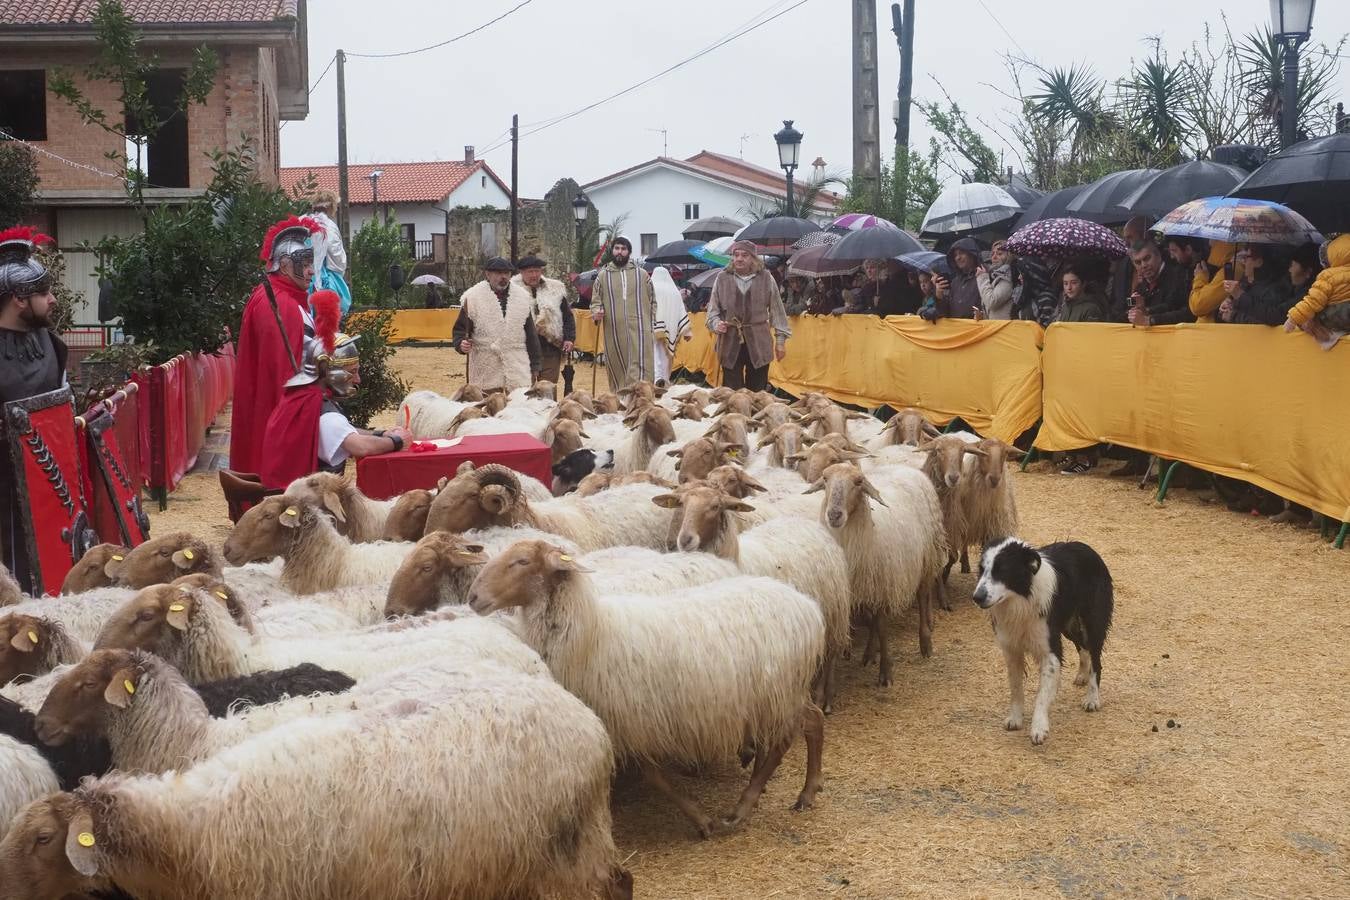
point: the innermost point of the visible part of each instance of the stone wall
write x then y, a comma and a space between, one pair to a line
547, 229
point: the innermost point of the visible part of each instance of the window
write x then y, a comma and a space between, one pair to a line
408, 233
482, 181
487, 239
648, 244
23, 104
165, 156
690, 212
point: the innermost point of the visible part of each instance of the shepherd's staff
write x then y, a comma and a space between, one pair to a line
595, 357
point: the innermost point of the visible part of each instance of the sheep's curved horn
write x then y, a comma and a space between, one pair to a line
498, 476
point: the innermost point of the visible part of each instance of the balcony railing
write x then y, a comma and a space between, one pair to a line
423, 249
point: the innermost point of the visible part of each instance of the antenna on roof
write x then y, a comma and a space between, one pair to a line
665, 140
744, 138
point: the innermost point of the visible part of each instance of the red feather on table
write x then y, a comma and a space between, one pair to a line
327, 306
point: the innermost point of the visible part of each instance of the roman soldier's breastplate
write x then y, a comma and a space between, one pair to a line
28, 364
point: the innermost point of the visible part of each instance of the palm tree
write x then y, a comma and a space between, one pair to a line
1155, 101
805, 196
1261, 73
1073, 98
595, 239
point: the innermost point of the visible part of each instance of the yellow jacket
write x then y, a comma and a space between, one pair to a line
1332, 286
1207, 293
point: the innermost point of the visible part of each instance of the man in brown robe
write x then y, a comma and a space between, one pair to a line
746, 313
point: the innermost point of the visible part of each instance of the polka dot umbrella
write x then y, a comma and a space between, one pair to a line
1066, 237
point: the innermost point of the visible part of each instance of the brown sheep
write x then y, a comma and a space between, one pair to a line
699, 457
691, 410
440, 569
91, 570
734, 482
162, 559
34, 645
908, 426
596, 482
571, 409
408, 518
466, 414
813, 461
584, 398
563, 436
607, 402
783, 442
739, 402
467, 393
733, 428
945, 467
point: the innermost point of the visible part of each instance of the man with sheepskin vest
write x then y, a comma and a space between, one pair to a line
495, 329
552, 313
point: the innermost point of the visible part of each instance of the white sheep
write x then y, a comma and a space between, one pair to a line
894, 553
154, 721
796, 551
428, 415
412, 800
988, 505
356, 516
492, 495
10, 593
316, 557
198, 638
25, 776
688, 677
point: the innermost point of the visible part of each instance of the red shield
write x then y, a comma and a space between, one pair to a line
115, 505
44, 451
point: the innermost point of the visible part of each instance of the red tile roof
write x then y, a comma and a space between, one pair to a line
419, 182
147, 12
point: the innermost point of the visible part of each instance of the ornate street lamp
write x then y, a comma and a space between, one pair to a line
1291, 21
789, 142
375, 193
581, 208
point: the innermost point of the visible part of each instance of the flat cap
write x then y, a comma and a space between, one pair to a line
498, 264
531, 262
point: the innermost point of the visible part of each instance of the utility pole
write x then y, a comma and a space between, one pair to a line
344, 222
866, 146
903, 27
515, 195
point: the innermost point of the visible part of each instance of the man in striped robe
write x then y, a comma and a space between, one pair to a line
624, 304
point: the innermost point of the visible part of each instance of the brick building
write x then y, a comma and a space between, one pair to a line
262, 80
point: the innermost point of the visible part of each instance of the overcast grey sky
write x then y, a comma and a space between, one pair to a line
555, 56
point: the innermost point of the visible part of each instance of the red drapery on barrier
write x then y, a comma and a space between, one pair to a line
185, 395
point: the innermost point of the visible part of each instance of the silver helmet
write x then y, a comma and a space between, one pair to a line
20, 272
292, 238
333, 370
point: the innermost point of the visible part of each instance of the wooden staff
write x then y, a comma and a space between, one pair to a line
595, 358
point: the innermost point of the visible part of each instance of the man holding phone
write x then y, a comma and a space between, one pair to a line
1162, 292
958, 295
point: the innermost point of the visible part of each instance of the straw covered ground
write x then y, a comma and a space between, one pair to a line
1216, 766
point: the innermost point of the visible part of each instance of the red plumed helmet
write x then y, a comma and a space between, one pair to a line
25, 233
327, 306
310, 225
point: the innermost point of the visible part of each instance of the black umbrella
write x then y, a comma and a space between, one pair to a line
1312, 178
1100, 201
1023, 194
1050, 206
873, 243
1172, 187
712, 227
777, 231
674, 252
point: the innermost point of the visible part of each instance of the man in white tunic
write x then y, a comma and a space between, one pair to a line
624, 303
496, 331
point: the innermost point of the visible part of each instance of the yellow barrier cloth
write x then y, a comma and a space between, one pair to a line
424, 324
988, 373
587, 331
1245, 401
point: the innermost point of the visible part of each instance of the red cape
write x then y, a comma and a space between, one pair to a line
262, 367
292, 448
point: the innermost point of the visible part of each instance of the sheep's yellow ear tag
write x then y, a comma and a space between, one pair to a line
292, 511
222, 595
33, 636
187, 554
86, 839
178, 607
733, 453
119, 557
565, 558
131, 689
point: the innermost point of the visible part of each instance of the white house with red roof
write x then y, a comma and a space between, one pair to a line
417, 195
663, 196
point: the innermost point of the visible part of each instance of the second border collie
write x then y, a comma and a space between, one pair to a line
1033, 597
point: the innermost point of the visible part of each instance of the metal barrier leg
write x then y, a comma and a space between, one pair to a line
1340, 538
1166, 480
1028, 458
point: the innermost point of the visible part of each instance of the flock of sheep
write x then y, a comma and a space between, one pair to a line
361, 698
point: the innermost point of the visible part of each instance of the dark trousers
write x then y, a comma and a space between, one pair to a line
744, 375
550, 361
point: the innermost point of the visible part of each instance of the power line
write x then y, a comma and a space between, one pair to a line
313, 86
1004, 29
393, 53
558, 120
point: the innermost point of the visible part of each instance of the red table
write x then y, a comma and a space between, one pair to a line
391, 474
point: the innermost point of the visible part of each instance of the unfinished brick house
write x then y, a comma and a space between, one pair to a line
262, 80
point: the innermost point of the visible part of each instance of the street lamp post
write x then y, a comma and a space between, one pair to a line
375, 193
789, 142
1291, 20
581, 208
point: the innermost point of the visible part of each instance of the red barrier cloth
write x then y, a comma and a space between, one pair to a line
391, 474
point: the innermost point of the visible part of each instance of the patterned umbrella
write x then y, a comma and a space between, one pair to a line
1239, 222
817, 239
855, 221
811, 262
1066, 237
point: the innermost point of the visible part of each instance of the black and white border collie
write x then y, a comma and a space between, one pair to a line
568, 471
1033, 597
